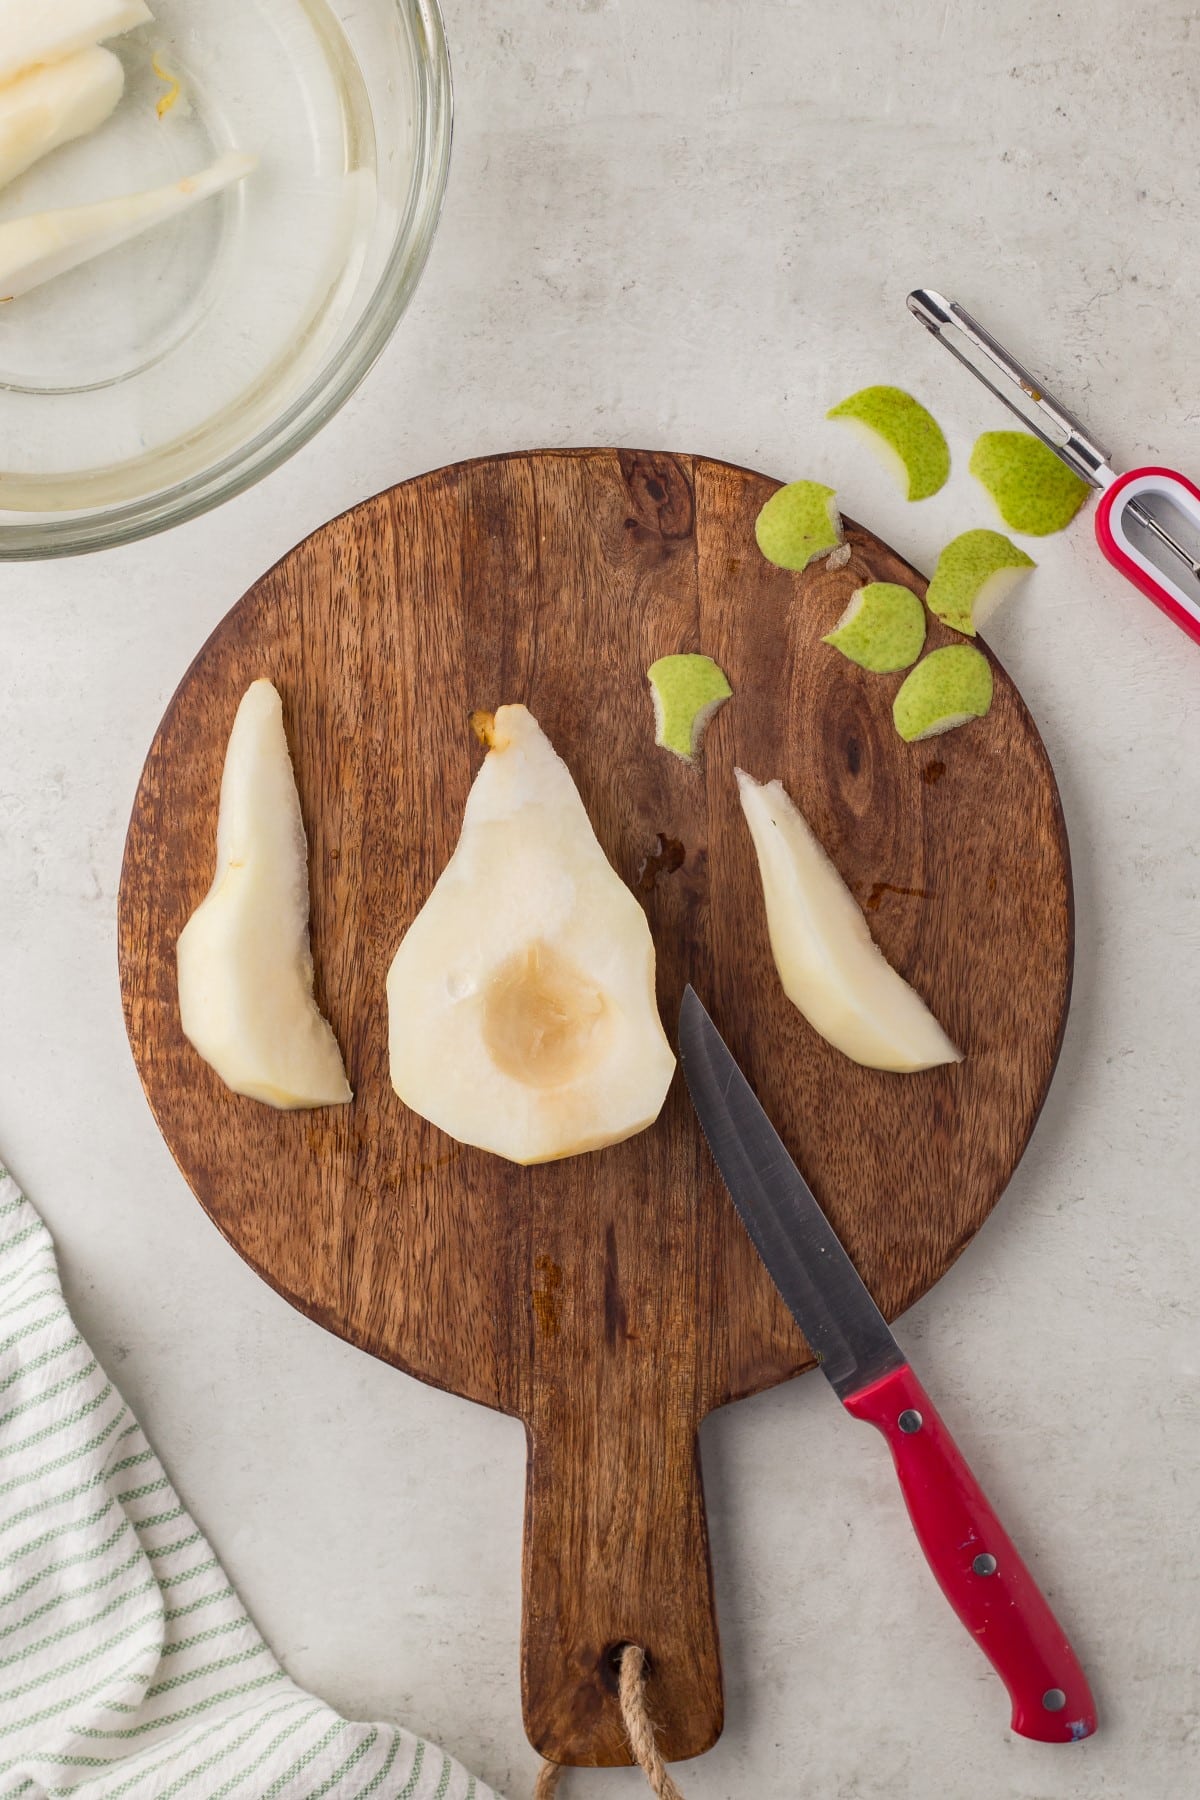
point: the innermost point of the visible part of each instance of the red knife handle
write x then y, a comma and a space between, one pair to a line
977, 1567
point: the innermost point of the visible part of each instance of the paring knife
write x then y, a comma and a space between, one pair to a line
965, 1544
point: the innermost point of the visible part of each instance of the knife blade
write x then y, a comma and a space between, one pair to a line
965, 1545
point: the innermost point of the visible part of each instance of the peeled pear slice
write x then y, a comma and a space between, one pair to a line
50, 106
244, 961
44, 31
521, 999
37, 249
829, 965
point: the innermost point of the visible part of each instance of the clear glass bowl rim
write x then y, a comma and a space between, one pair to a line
336, 381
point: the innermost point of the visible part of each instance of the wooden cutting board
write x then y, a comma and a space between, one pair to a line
610, 1301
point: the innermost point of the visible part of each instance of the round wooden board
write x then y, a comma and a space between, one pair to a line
612, 1300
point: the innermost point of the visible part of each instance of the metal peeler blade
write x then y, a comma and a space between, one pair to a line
1025, 395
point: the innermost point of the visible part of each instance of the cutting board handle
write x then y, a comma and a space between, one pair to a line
616, 1552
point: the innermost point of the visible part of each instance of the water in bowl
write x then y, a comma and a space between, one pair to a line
164, 352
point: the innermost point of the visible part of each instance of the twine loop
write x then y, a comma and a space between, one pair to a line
639, 1729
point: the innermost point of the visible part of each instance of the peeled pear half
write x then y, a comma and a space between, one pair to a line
244, 960
830, 966
521, 999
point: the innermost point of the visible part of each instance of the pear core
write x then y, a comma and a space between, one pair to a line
543, 1020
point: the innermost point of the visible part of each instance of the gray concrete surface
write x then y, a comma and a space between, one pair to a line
692, 224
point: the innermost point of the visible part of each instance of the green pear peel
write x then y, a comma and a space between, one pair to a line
687, 691
974, 573
882, 629
947, 688
1034, 491
900, 431
799, 523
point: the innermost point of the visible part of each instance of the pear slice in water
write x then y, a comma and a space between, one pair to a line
51, 106
37, 249
829, 964
244, 961
33, 32
521, 999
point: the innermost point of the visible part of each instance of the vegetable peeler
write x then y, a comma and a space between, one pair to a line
1130, 514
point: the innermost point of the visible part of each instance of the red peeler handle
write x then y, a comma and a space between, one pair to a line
977, 1567
1128, 558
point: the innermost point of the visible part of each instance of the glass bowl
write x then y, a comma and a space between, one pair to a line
169, 374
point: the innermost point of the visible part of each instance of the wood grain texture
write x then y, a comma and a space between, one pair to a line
610, 1301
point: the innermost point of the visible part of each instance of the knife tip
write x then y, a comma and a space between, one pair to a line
691, 1006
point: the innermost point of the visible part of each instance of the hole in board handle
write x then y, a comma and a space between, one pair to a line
610, 1662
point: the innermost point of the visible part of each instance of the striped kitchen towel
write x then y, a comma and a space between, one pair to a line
128, 1665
